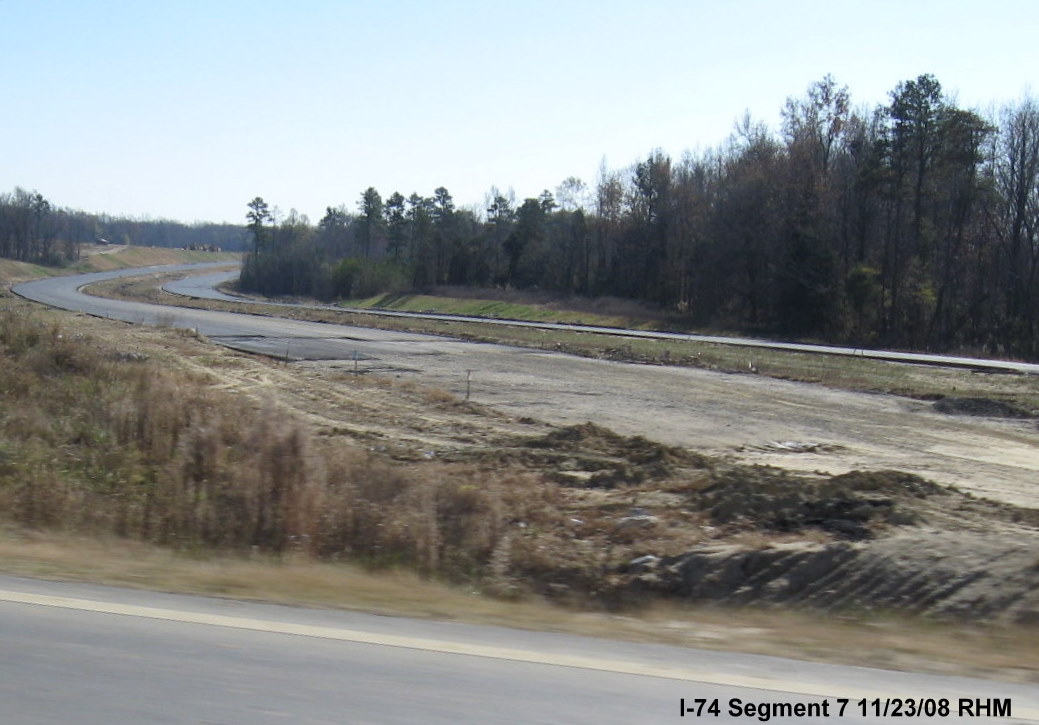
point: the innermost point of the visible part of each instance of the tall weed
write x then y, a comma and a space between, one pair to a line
93, 440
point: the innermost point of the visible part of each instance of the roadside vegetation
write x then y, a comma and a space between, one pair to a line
521, 305
101, 440
100, 259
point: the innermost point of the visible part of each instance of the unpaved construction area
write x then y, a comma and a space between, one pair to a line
672, 481
745, 418
632, 517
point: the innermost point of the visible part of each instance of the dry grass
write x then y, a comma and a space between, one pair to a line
94, 441
12, 271
515, 305
103, 258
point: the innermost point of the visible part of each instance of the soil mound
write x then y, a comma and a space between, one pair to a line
591, 456
630, 518
589, 437
850, 506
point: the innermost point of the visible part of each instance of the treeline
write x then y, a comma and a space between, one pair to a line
206, 236
32, 229
914, 224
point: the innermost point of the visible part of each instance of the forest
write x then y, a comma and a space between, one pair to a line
913, 225
32, 229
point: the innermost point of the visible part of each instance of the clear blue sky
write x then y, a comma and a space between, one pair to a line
188, 109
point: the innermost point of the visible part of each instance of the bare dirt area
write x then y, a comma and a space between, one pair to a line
665, 483
637, 517
976, 431
661, 520
746, 418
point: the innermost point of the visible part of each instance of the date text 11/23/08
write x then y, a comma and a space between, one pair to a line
841, 707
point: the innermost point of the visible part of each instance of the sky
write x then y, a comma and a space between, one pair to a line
188, 109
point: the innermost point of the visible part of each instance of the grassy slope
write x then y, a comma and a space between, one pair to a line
101, 259
125, 257
12, 272
500, 309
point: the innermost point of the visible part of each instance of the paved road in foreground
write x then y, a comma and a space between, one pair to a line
92, 655
204, 287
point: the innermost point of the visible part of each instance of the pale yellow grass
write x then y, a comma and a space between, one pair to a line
99, 258
102, 258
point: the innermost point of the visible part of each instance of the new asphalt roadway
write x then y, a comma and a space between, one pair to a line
205, 287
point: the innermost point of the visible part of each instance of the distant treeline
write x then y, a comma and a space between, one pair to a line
33, 230
914, 224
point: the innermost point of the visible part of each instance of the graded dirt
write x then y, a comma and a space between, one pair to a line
752, 418
636, 520
749, 496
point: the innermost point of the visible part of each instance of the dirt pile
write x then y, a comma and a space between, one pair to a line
637, 519
853, 505
957, 574
590, 456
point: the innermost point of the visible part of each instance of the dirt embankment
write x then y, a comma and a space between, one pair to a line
641, 519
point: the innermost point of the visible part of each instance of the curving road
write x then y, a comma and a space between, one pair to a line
92, 655
742, 416
204, 287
